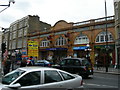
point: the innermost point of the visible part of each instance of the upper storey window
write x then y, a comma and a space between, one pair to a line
44, 43
103, 38
61, 41
81, 39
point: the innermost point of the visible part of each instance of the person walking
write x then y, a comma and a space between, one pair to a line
23, 62
6, 65
30, 62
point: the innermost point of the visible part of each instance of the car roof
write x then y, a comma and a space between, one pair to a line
34, 68
76, 58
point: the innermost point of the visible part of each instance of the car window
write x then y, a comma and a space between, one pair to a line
63, 62
12, 76
85, 62
70, 62
32, 78
52, 76
66, 76
77, 62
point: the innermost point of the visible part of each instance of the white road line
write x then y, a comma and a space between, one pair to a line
99, 85
106, 78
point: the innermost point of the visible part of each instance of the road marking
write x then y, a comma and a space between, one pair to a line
99, 85
106, 78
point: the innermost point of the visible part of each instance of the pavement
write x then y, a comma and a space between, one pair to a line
110, 70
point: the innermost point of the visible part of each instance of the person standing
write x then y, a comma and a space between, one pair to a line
23, 62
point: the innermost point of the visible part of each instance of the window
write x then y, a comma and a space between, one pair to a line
11, 36
103, 38
14, 34
32, 78
19, 43
13, 44
82, 39
20, 32
60, 41
70, 62
25, 31
66, 76
77, 63
52, 76
44, 43
63, 62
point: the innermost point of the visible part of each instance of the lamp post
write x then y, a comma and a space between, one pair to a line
8, 5
106, 38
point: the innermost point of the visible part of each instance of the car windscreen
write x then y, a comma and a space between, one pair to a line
85, 62
12, 76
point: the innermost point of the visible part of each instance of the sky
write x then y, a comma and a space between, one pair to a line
51, 11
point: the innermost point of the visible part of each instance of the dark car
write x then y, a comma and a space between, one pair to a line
44, 63
80, 66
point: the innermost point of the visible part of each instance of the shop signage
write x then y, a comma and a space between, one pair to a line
32, 48
80, 48
56, 48
104, 46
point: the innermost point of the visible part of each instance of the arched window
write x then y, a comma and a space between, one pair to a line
102, 37
44, 43
82, 39
60, 41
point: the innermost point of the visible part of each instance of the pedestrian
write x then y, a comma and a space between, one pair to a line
30, 62
23, 62
6, 65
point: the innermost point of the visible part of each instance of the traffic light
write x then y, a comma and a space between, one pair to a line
3, 47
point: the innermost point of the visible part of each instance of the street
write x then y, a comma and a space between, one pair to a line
100, 80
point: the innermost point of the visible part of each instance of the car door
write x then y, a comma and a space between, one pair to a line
68, 65
51, 79
31, 80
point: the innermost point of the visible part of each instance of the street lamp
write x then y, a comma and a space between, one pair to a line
8, 5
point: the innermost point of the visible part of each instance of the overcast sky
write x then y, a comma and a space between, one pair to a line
51, 11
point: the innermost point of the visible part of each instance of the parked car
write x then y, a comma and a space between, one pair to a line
35, 78
43, 63
79, 66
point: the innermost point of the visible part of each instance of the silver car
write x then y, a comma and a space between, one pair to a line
36, 78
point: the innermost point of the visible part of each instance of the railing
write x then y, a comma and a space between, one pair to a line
93, 20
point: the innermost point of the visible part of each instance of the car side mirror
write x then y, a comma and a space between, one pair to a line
14, 86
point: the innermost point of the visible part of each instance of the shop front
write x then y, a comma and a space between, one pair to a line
101, 54
80, 52
56, 54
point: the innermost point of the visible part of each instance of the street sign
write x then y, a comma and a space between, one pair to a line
33, 48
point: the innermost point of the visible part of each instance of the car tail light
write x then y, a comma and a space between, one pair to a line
49, 65
85, 68
81, 83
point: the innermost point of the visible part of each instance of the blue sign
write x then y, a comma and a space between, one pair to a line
80, 48
56, 48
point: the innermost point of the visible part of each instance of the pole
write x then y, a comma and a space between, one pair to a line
106, 38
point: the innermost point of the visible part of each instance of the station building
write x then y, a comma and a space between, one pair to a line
93, 38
